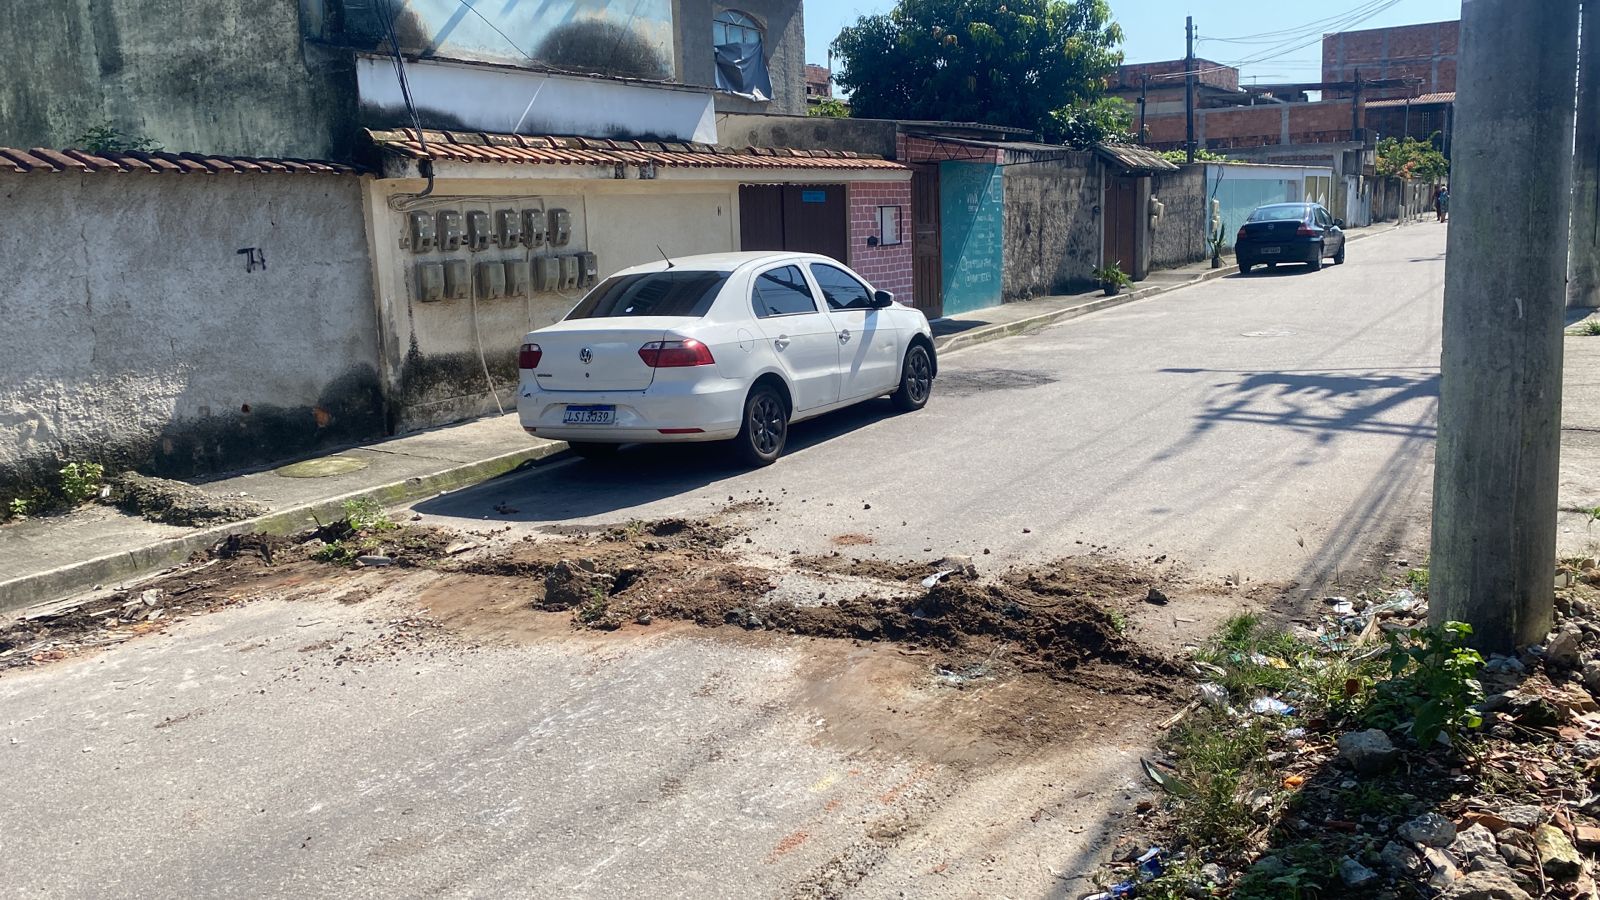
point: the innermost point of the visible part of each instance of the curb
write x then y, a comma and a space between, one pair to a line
1033, 323
54, 584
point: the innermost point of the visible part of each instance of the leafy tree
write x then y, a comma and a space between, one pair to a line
1034, 64
1108, 119
829, 108
105, 138
1201, 154
1411, 158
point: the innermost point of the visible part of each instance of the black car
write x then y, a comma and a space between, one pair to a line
1289, 233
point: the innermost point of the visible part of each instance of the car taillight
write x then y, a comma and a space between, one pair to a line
1239, 238
528, 357
1305, 230
675, 354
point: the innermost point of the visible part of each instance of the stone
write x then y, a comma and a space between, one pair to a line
1591, 676
1443, 867
1157, 597
1524, 816
1556, 853
1507, 664
1368, 752
1354, 874
1565, 647
1533, 710
1588, 836
1431, 829
1400, 858
1473, 843
1515, 856
1214, 874
374, 560
1485, 886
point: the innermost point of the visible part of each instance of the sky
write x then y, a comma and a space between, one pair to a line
1153, 29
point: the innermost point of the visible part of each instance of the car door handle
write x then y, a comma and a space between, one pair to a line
781, 342
844, 336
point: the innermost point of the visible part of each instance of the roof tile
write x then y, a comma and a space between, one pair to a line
41, 159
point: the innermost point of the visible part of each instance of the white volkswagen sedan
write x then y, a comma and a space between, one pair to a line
717, 347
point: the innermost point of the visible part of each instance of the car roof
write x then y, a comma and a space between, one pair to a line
726, 262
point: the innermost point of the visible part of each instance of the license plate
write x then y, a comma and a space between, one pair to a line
589, 415
1269, 251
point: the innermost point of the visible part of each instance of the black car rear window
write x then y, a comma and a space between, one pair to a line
1282, 212
688, 294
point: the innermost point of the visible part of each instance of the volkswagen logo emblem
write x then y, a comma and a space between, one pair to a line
586, 356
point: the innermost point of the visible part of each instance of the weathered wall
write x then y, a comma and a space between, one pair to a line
886, 266
432, 367
784, 43
208, 76
875, 137
1426, 52
1052, 234
136, 336
1179, 237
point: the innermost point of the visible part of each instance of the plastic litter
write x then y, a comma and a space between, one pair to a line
937, 577
1294, 734
1212, 694
1270, 662
1270, 706
1149, 866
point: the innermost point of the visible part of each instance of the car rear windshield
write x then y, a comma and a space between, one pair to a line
1285, 212
669, 293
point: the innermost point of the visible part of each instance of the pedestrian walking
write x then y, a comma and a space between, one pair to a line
1441, 203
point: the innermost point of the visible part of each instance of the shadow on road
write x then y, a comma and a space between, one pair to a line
1285, 399
639, 474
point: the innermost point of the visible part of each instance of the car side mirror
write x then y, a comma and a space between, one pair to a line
882, 299
1338, 223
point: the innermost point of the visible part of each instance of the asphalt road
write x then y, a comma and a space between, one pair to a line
1275, 426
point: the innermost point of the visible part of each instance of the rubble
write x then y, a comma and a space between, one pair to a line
1368, 752
1431, 829
1485, 886
178, 503
1556, 853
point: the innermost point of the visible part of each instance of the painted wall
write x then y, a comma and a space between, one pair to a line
1239, 189
783, 42
1179, 236
208, 76
435, 353
971, 214
875, 137
137, 334
1052, 234
886, 266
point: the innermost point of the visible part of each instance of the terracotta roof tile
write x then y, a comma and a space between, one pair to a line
1442, 97
551, 150
42, 159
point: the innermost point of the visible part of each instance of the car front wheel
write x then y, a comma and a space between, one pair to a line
1338, 258
766, 427
916, 380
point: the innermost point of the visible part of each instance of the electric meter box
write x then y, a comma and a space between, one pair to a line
449, 230
457, 279
491, 280
588, 269
478, 234
422, 234
560, 227
430, 281
533, 227
517, 278
569, 273
546, 274
508, 227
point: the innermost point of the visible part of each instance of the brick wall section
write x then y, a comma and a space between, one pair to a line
913, 149
1255, 126
1208, 72
1424, 51
886, 268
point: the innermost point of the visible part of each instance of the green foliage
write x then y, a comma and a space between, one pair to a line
1107, 120
1589, 327
1417, 580
366, 514
18, 508
105, 138
1119, 622
1411, 158
1432, 683
1111, 273
1001, 62
829, 108
1201, 154
1307, 868
81, 481
593, 610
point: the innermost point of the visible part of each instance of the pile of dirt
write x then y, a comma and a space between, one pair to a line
177, 503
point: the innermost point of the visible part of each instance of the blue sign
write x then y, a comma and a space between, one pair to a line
813, 196
971, 224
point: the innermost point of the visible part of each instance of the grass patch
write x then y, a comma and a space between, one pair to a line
1589, 328
74, 484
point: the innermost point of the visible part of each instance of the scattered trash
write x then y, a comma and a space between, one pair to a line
1147, 867
374, 561
937, 577
959, 677
1270, 706
1212, 694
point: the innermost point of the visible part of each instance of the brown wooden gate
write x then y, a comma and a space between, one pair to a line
805, 218
927, 276
1121, 221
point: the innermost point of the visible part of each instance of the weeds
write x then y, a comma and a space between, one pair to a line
81, 481
19, 508
1417, 580
1432, 683
1119, 622
75, 484
366, 514
1590, 327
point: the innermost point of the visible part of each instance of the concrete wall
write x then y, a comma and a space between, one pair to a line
434, 353
1052, 235
784, 42
875, 137
135, 335
1179, 236
208, 76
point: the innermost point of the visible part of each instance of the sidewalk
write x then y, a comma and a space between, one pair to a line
56, 556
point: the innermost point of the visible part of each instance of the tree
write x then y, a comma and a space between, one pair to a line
1107, 119
829, 108
1411, 158
1034, 64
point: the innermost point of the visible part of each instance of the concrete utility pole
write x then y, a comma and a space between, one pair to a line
1188, 87
1583, 285
1494, 490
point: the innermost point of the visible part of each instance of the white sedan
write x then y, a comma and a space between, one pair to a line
717, 347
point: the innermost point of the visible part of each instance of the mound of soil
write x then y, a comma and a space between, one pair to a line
177, 503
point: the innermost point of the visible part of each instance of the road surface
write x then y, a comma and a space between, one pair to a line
1277, 428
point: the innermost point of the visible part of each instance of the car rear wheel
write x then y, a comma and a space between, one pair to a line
766, 427
593, 451
1316, 261
1244, 268
916, 380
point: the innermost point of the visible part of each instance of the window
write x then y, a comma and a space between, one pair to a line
688, 294
888, 226
1279, 212
839, 289
782, 292
741, 63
